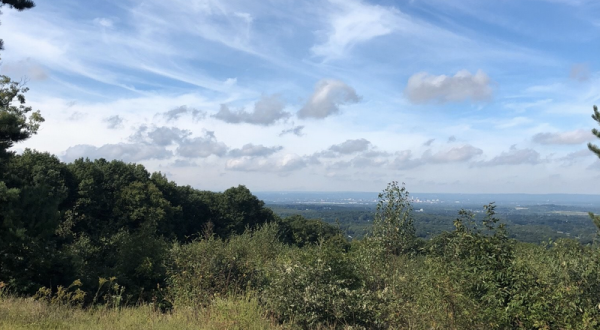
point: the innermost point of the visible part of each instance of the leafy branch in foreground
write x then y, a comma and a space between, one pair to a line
596, 150
18, 121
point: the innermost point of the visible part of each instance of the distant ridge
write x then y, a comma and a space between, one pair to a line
333, 197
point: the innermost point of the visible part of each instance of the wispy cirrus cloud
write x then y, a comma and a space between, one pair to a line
353, 22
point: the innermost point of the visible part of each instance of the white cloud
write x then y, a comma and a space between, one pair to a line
202, 147
404, 161
165, 136
267, 111
296, 130
351, 146
129, 152
286, 163
514, 157
456, 154
114, 122
177, 112
423, 87
326, 99
253, 150
353, 22
572, 137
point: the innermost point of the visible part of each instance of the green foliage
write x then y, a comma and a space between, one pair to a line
17, 121
211, 267
34, 189
479, 258
393, 224
236, 209
319, 286
300, 231
594, 148
18, 4
70, 296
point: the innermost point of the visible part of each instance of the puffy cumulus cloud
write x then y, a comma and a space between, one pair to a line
405, 161
456, 154
351, 146
328, 96
202, 147
164, 136
513, 157
572, 137
114, 122
423, 87
286, 163
267, 111
129, 152
297, 130
175, 113
251, 150
580, 72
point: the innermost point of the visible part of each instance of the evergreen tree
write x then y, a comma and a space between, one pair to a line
594, 148
15, 125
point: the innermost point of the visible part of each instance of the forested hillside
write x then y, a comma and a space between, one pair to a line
98, 244
96, 233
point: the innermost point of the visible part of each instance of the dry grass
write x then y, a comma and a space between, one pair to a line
239, 313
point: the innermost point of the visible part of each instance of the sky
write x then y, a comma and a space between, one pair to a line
447, 96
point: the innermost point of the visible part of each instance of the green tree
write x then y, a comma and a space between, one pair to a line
17, 121
596, 150
31, 197
393, 223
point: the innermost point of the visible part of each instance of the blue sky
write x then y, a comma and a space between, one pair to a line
447, 96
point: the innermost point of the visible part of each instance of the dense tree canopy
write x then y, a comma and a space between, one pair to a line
17, 120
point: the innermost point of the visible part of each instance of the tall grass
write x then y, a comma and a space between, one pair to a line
223, 313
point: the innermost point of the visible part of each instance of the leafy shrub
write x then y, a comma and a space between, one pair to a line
393, 224
318, 286
212, 267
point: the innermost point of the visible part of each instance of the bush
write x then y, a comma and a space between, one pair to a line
212, 267
319, 286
